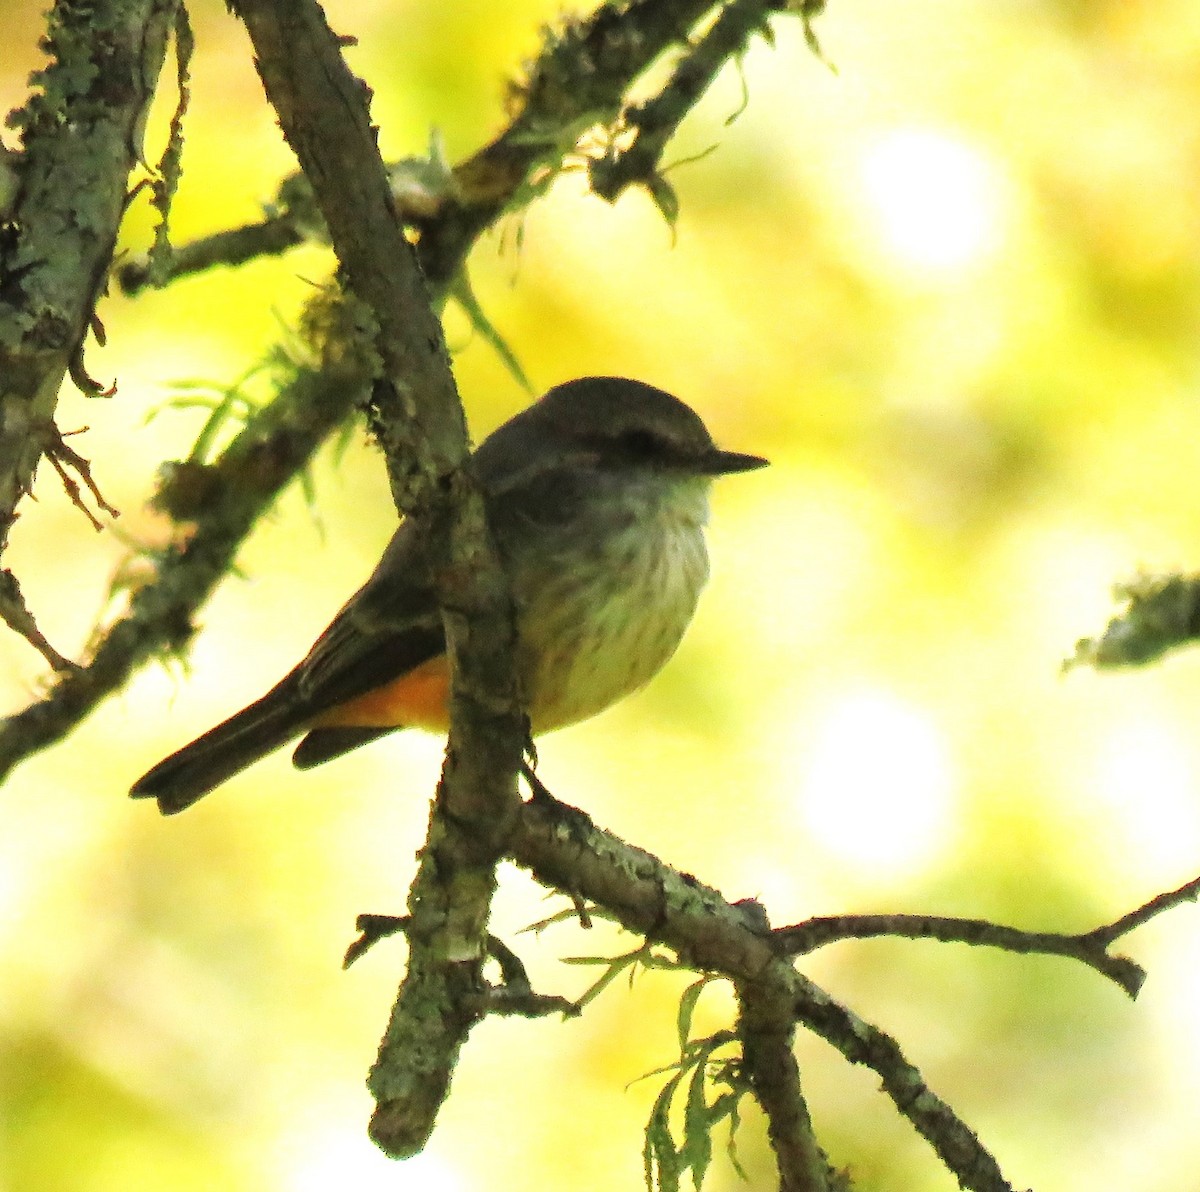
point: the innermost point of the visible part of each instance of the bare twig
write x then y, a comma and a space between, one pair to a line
1089, 947
1103, 936
61, 456
270, 236
18, 618
371, 929
514, 996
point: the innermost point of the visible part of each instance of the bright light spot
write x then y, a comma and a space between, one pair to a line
1144, 778
935, 200
330, 1158
879, 782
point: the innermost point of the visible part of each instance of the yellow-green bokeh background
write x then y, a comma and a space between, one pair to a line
951, 290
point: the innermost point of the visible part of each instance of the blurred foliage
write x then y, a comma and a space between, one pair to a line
951, 291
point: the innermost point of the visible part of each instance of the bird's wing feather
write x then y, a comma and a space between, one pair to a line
389, 626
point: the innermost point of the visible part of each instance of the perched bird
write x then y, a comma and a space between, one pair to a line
597, 495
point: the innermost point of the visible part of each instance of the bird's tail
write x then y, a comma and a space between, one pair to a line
179, 780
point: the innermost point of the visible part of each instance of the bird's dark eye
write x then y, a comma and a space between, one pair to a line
642, 444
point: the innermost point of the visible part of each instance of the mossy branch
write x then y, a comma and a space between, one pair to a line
80, 134
418, 419
578, 83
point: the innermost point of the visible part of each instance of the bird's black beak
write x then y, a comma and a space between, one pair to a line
724, 463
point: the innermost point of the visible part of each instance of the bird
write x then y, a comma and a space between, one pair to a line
597, 497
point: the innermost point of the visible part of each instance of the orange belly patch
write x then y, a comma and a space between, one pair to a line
418, 699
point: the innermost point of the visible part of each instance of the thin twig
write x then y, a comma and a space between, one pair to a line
514, 996
1088, 947
20, 620
60, 455
649, 126
269, 237
1103, 936
862, 1043
371, 929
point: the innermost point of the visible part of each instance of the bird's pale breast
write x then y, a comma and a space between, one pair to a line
605, 617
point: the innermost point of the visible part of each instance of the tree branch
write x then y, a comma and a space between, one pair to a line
81, 136
579, 81
221, 502
646, 127
767, 1026
1088, 947
562, 848
418, 418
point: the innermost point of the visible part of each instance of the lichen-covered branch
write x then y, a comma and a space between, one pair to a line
81, 132
562, 848
418, 419
222, 501
634, 157
578, 83
766, 1027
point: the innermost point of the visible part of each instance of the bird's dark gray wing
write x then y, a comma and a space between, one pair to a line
389, 626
